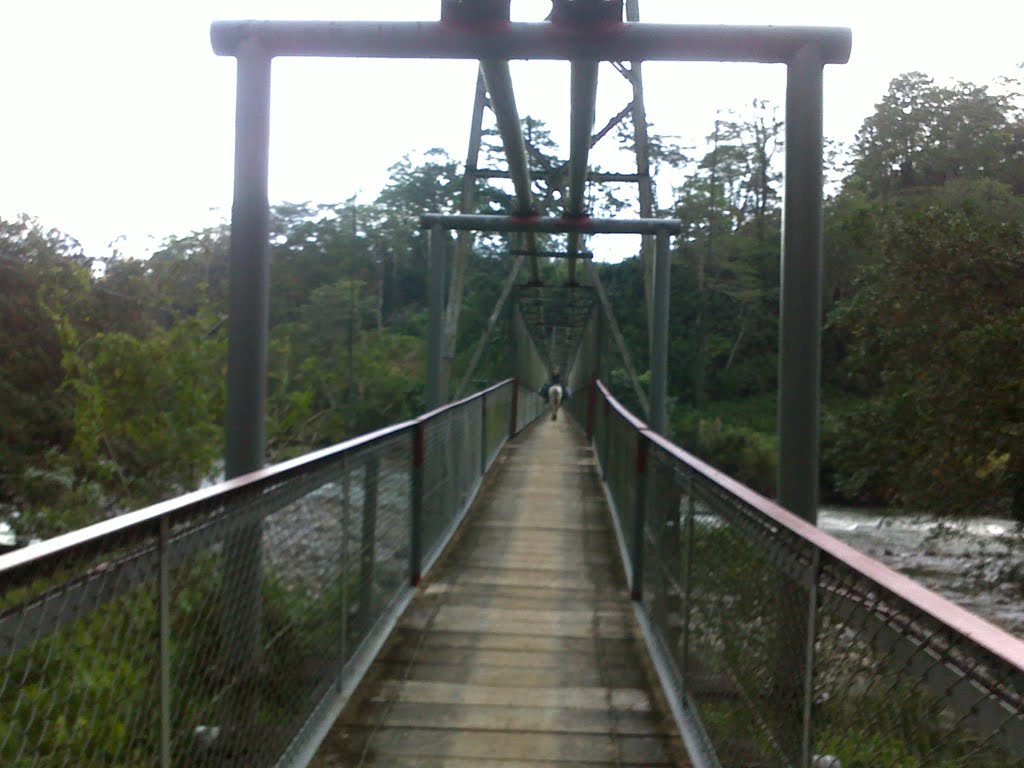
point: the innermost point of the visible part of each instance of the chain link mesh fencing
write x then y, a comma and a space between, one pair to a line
532, 374
226, 627
780, 646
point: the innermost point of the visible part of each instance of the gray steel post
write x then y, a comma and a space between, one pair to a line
799, 376
800, 295
659, 341
248, 332
249, 267
435, 298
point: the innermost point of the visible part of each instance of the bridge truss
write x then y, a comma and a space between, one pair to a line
548, 332
229, 626
583, 32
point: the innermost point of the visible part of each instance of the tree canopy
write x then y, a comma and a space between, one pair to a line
113, 371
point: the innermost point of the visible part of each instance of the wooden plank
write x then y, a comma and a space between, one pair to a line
521, 649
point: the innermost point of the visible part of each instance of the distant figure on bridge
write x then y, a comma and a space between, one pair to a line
553, 392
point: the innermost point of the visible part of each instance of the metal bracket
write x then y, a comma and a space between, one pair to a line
475, 11
579, 12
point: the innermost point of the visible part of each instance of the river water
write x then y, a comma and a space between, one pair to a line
978, 563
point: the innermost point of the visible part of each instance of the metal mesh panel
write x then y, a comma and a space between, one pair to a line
451, 471
894, 686
779, 646
531, 369
530, 407
60, 706
496, 423
217, 629
269, 603
619, 466
555, 316
729, 595
587, 357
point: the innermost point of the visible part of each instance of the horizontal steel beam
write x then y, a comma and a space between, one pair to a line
551, 254
631, 178
583, 224
614, 42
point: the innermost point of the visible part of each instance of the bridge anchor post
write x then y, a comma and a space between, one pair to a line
800, 377
245, 422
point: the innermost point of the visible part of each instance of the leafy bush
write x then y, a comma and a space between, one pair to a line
747, 454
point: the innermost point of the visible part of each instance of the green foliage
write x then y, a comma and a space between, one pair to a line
933, 346
37, 268
94, 425
749, 455
925, 134
105, 688
141, 428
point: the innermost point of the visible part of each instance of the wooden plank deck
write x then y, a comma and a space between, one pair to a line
521, 649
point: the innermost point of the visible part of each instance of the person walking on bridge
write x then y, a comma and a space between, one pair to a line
554, 391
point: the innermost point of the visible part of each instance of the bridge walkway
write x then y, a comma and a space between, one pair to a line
522, 648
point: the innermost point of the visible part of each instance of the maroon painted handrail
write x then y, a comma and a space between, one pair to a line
36, 555
986, 635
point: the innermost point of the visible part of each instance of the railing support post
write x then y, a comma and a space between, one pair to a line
514, 410
483, 434
346, 507
368, 543
639, 514
687, 579
800, 295
591, 398
165, 645
800, 370
606, 441
245, 418
807, 730
416, 522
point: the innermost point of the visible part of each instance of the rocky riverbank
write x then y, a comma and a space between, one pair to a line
977, 563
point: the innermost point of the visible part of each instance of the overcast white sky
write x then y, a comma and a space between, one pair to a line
118, 118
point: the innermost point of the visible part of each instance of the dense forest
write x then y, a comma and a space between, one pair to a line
113, 370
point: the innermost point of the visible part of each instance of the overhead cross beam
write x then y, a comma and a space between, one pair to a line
631, 178
805, 51
565, 225
519, 40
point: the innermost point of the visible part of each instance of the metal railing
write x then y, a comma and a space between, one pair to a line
229, 626
778, 645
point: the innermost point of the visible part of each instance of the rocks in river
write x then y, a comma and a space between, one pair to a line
308, 543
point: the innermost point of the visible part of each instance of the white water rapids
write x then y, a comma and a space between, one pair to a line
977, 563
